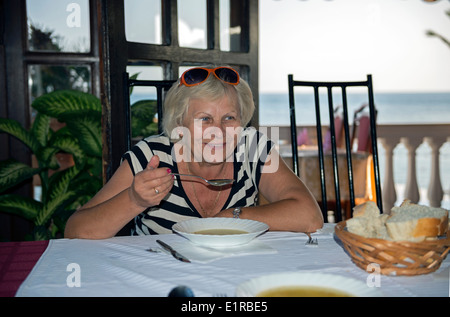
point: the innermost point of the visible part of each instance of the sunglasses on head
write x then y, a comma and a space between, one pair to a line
198, 75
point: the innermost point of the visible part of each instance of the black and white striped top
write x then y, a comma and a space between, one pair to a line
249, 157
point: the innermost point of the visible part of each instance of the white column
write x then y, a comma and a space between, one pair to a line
412, 189
389, 193
435, 192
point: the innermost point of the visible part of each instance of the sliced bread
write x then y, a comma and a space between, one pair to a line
408, 222
368, 222
413, 222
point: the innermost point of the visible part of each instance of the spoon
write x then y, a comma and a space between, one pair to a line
213, 182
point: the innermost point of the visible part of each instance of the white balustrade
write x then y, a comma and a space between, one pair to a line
412, 136
435, 192
389, 194
412, 189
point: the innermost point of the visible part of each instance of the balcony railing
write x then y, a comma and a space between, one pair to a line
411, 137
391, 140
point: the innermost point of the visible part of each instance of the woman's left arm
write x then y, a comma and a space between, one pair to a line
291, 206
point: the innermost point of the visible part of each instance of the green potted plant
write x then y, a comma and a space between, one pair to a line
63, 190
143, 119
143, 113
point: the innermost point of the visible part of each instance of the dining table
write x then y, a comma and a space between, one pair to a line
137, 266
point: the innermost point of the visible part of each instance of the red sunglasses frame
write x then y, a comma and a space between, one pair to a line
209, 70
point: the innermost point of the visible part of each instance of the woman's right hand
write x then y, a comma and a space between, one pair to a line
151, 185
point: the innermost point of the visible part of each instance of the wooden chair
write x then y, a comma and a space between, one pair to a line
160, 85
348, 146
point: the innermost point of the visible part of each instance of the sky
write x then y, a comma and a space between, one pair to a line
311, 39
68, 19
347, 39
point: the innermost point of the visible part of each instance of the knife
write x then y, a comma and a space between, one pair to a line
174, 253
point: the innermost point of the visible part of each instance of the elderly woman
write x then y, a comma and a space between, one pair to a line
205, 113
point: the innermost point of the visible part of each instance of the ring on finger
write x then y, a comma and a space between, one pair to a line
156, 191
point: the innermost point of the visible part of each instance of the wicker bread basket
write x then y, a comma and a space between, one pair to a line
394, 257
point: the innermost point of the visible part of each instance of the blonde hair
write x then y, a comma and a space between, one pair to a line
177, 100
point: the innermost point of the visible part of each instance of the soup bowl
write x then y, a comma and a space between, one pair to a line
303, 284
220, 232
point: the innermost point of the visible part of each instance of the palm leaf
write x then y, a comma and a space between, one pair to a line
87, 184
14, 128
46, 157
64, 103
22, 206
69, 144
59, 182
95, 167
88, 131
13, 173
41, 128
41, 233
143, 118
60, 218
53, 205
63, 191
59, 194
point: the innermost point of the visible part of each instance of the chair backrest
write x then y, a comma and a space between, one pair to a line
348, 146
160, 85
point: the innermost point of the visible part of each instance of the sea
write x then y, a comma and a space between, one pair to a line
392, 108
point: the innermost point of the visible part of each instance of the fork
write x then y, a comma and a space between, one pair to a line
311, 241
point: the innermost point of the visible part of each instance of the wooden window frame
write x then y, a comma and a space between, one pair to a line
14, 91
118, 53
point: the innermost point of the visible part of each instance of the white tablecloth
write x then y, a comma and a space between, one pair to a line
121, 266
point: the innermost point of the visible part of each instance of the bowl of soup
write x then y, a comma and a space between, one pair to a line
303, 284
220, 232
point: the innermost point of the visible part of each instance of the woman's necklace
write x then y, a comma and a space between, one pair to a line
196, 197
